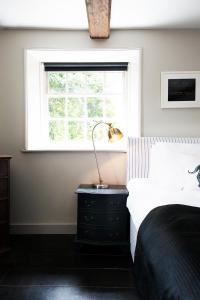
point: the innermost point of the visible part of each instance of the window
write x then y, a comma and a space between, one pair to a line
77, 99
66, 99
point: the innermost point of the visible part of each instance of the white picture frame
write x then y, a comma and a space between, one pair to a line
180, 89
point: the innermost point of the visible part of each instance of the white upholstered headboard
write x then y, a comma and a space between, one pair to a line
139, 153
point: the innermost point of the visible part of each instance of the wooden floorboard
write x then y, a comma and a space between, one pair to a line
54, 268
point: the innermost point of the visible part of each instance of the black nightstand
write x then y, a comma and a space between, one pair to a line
103, 217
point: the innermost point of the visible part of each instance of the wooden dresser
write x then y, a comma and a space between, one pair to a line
4, 202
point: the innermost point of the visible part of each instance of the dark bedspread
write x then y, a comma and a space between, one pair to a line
167, 257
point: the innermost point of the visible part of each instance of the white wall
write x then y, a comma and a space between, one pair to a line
43, 184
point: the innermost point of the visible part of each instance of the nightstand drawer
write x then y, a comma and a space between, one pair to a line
102, 202
102, 219
101, 234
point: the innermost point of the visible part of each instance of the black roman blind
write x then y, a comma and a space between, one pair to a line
86, 66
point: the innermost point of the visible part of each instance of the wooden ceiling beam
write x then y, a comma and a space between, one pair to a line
98, 13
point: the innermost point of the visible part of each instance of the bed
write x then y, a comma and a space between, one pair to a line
165, 218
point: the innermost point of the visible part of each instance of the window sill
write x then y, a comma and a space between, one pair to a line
73, 150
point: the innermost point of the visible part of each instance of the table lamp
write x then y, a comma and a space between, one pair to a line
114, 134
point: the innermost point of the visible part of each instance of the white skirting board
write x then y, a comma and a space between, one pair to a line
43, 228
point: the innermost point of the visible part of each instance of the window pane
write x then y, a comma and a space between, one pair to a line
57, 107
113, 82
56, 130
94, 107
85, 82
76, 82
100, 133
94, 82
75, 130
111, 107
75, 107
56, 82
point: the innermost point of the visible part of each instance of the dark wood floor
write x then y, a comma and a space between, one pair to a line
51, 267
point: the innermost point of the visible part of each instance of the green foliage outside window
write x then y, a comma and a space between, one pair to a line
75, 107
56, 130
57, 107
57, 82
81, 102
76, 130
84, 82
95, 107
100, 132
110, 108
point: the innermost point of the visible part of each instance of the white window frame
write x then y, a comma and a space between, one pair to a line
34, 88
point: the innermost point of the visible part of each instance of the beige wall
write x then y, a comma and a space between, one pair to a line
43, 184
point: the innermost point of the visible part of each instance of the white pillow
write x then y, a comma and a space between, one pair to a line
170, 162
184, 148
165, 168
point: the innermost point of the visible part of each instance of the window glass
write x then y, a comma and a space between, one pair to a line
79, 99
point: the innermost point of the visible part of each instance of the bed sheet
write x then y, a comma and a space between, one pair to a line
145, 195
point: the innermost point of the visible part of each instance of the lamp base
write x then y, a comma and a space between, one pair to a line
100, 186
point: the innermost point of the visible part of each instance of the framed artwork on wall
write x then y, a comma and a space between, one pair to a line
180, 89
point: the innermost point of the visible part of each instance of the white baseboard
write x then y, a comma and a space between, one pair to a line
43, 228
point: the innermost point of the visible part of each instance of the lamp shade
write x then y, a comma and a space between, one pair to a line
114, 134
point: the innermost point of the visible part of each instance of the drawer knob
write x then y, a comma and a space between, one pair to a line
114, 219
89, 203
114, 235
86, 218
